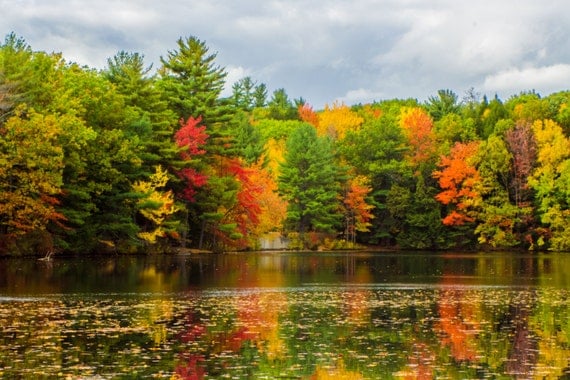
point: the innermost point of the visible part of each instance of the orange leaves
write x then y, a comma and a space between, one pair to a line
257, 208
418, 128
358, 211
458, 179
259, 205
248, 208
307, 114
273, 207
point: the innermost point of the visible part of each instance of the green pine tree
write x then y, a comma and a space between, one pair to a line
309, 181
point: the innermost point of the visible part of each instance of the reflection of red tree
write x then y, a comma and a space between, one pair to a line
191, 366
192, 369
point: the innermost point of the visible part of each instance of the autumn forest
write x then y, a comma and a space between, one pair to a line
136, 158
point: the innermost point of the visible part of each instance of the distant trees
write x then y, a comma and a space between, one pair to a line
128, 159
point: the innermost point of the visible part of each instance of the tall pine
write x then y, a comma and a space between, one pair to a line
309, 181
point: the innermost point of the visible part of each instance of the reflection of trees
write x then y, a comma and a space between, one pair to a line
458, 324
550, 322
253, 328
488, 329
522, 355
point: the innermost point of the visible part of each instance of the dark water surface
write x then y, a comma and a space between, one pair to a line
291, 316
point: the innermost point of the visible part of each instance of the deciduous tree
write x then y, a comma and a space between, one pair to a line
336, 120
357, 210
31, 173
418, 128
156, 205
458, 179
551, 181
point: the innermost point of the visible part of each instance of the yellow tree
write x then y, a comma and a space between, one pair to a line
336, 120
155, 206
551, 181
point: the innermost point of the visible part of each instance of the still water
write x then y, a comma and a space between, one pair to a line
287, 315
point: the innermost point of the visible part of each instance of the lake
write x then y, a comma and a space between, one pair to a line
364, 315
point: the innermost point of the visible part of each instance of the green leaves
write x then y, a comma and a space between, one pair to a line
309, 181
31, 172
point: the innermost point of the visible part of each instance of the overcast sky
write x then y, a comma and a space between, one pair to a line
352, 51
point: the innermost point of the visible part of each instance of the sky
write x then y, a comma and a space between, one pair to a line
355, 51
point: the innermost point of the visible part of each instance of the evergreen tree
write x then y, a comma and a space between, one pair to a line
192, 84
280, 107
309, 181
152, 121
445, 103
384, 164
192, 81
243, 94
260, 95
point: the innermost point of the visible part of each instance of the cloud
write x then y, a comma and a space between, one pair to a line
234, 73
361, 95
318, 50
545, 79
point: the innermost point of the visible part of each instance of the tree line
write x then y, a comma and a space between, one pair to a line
130, 158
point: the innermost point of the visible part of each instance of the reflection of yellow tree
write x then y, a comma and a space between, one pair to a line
357, 302
258, 312
338, 372
159, 311
550, 320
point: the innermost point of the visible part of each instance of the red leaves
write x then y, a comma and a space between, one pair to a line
191, 136
194, 180
247, 207
307, 114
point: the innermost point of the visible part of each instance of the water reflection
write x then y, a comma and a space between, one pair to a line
306, 316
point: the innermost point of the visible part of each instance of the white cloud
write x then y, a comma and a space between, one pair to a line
234, 73
320, 50
545, 79
361, 95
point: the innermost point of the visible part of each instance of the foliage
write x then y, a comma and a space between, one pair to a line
551, 181
458, 179
446, 103
357, 211
334, 121
155, 205
31, 173
191, 80
80, 148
